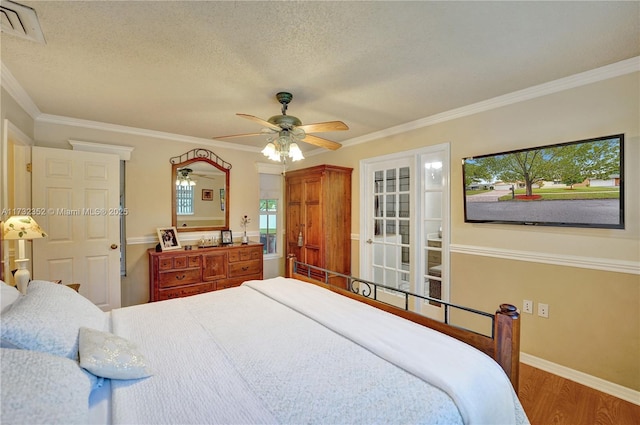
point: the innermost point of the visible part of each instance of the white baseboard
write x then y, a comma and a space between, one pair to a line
607, 387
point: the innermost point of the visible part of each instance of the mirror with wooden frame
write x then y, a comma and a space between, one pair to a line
199, 191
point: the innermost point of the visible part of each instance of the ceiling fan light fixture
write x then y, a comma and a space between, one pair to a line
184, 179
294, 152
269, 149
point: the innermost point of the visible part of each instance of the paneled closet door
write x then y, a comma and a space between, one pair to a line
79, 191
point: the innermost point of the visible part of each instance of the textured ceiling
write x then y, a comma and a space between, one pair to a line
187, 67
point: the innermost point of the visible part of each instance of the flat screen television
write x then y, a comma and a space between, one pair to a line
573, 184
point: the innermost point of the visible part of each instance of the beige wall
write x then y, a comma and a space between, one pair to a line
593, 326
594, 320
148, 191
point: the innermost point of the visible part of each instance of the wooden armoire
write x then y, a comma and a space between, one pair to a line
318, 214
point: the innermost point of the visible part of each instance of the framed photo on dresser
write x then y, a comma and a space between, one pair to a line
168, 238
227, 238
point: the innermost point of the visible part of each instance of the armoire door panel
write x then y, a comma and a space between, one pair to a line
294, 192
294, 219
313, 189
313, 230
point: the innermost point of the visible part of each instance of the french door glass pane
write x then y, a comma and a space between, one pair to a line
390, 231
390, 260
433, 172
404, 205
391, 180
391, 206
378, 254
404, 232
377, 182
433, 205
377, 227
378, 204
405, 179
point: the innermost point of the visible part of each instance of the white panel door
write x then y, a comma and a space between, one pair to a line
78, 195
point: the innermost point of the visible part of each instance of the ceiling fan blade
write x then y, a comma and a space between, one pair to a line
324, 126
260, 121
319, 141
233, 136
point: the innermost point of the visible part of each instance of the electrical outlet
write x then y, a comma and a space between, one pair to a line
543, 310
527, 306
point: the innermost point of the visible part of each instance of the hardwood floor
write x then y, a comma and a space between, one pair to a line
550, 399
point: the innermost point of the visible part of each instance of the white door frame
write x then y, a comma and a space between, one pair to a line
417, 242
21, 183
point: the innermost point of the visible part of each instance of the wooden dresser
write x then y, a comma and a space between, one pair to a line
174, 274
318, 228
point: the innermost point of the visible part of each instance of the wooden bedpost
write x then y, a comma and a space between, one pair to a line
507, 342
288, 269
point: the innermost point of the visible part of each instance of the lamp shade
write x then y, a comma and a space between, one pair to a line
22, 227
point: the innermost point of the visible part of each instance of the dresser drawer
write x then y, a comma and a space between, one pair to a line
179, 262
184, 291
245, 268
244, 254
178, 278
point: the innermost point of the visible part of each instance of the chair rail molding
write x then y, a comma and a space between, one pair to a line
595, 263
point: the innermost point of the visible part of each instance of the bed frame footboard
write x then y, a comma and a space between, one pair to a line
503, 345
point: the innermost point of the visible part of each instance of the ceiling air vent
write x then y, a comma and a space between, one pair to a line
21, 21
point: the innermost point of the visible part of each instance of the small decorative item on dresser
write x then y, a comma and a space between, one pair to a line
243, 222
227, 238
168, 238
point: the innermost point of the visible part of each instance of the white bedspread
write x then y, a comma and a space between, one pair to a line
478, 385
238, 356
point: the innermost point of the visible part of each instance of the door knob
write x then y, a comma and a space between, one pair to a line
369, 241
114, 246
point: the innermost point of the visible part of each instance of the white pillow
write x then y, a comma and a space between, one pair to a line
48, 319
38, 388
111, 356
8, 295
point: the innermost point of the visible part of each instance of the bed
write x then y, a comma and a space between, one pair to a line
283, 350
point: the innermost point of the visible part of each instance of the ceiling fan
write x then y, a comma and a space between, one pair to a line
290, 127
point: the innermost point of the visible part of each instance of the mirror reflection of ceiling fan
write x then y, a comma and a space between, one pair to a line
285, 130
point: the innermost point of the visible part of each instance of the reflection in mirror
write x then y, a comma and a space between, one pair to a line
200, 191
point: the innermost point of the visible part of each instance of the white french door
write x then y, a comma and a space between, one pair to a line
388, 236
405, 225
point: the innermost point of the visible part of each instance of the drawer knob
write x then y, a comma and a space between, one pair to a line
181, 277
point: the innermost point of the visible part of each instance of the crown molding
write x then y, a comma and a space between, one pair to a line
588, 77
123, 152
15, 90
134, 131
613, 70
